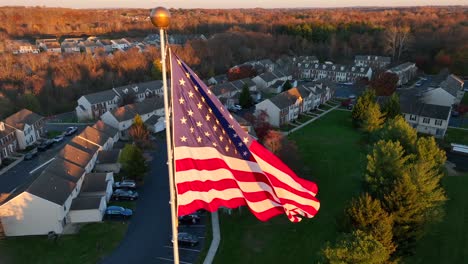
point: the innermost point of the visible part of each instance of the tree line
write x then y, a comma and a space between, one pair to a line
402, 190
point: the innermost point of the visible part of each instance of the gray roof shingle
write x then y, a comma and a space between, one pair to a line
86, 203
22, 117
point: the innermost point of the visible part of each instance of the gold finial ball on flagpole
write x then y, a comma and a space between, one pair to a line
160, 17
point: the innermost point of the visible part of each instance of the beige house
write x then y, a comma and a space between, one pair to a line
8, 141
427, 118
28, 127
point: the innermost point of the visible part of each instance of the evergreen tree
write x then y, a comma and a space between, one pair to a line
373, 119
245, 100
397, 129
133, 162
357, 248
361, 106
392, 107
287, 85
385, 164
367, 214
156, 70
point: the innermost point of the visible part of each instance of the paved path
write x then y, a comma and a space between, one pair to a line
311, 120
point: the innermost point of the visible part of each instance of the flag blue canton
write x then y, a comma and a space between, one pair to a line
200, 120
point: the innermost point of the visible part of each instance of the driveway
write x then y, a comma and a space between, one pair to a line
148, 238
24, 170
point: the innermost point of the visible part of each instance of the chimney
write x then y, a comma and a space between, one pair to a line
2, 126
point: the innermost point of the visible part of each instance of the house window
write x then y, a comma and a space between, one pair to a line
438, 122
426, 120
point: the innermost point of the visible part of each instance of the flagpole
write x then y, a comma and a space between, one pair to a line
160, 18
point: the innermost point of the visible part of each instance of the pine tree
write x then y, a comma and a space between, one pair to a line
245, 100
392, 107
373, 119
385, 164
367, 214
361, 106
357, 247
397, 129
287, 85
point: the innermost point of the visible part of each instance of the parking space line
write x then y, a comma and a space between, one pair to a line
45, 163
182, 248
171, 260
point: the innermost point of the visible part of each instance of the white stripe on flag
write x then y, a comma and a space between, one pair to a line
248, 187
242, 165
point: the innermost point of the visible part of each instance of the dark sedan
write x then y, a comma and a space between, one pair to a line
118, 211
187, 239
189, 219
121, 194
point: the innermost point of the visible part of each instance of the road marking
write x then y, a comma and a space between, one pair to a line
47, 162
182, 248
171, 260
13, 190
189, 226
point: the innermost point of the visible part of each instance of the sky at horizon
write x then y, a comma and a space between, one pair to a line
226, 4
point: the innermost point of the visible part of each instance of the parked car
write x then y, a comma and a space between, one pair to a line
30, 155
130, 184
455, 113
71, 130
189, 219
121, 194
45, 145
58, 138
187, 239
118, 211
419, 83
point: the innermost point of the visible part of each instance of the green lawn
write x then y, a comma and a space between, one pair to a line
88, 246
447, 241
464, 100
459, 136
333, 158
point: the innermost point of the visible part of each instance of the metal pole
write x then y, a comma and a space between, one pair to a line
167, 113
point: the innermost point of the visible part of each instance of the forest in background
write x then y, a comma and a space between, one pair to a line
433, 37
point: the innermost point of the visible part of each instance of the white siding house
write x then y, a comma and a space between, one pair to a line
427, 118
28, 127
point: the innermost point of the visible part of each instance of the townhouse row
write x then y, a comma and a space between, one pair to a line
73, 188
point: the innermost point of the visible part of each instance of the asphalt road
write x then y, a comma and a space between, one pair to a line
148, 238
20, 174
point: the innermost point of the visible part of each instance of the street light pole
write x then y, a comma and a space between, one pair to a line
160, 17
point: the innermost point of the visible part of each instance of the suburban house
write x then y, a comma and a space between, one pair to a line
21, 46
65, 192
375, 62
71, 45
122, 118
427, 118
218, 79
101, 139
267, 79
286, 106
405, 72
51, 47
110, 131
156, 123
97, 185
29, 127
108, 161
8, 141
120, 44
89, 46
106, 44
92, 106
224, 90
448, 92
334, 72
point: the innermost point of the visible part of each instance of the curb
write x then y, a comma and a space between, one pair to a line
216, 239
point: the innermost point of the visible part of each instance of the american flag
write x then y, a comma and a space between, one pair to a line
218, 164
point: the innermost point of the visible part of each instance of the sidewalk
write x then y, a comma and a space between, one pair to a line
311, 120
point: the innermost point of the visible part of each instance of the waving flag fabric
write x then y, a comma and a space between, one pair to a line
218, 164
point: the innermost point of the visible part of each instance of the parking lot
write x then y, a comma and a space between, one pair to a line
148, 238
187, 253
24, 171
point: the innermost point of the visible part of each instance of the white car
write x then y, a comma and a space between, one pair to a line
58, 138
70, 131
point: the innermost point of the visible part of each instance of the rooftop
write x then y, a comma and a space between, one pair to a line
22, 117
108, 156
86, 203
94, 135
